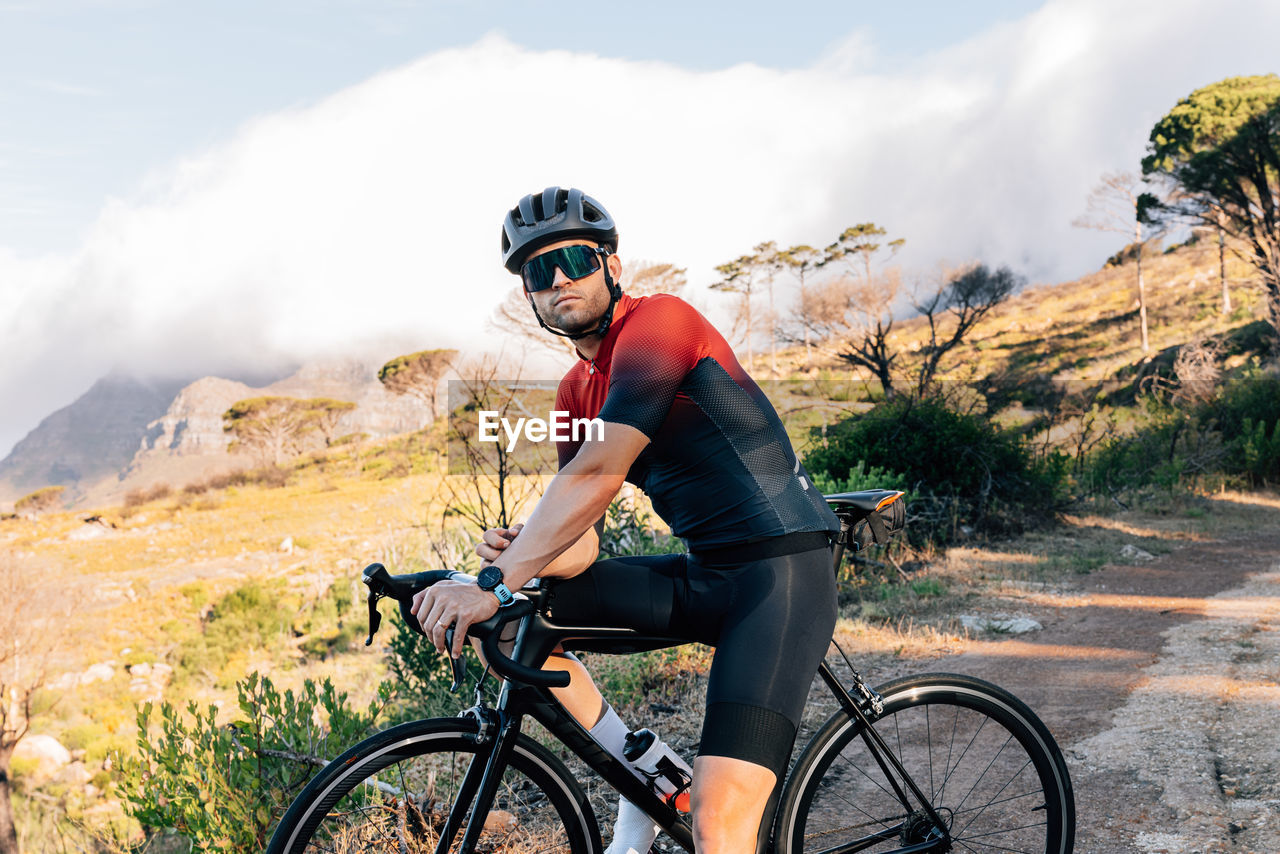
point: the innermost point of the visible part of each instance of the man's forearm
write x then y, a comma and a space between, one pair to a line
575, 559
569, 507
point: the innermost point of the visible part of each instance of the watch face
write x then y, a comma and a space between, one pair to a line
490, 577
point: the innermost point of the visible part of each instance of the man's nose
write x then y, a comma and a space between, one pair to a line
561, 279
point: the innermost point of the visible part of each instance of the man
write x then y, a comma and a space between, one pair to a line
685, 423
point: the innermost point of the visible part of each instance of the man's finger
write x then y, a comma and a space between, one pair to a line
420, 609
438, 629
498, 538
459, 637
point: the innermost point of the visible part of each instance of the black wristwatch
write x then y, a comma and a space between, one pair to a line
490, 579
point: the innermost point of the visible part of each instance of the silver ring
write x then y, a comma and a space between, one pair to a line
441, 623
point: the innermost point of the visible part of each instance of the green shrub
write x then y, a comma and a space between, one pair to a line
1235, 435
331, 622
629, 530
248, 617
22, 766
99, 749
1246, 413
960, 470
80, 736
860, 478
657, 676
226, 786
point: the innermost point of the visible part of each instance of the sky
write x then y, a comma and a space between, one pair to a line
198, 187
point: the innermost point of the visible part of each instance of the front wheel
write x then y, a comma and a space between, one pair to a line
393, 793
990, 768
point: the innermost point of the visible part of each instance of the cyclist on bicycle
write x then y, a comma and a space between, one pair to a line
685, 423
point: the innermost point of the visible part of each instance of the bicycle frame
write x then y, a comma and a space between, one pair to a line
537, 636
500, 724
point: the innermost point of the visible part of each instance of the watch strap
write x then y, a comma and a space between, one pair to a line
504, 594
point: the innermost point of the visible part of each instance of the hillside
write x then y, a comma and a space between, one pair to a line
1086, 329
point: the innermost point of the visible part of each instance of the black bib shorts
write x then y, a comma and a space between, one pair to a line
770, 621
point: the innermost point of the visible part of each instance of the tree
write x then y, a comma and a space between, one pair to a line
869, 295
1113, 206
739, 277
490, 482
41, 500
326, 413
644, 278
868, 318
858, 245
966, 297
1219, 149
418, 374
28, 636
274, 428
800, 261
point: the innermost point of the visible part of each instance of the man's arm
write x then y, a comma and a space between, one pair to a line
572, 561
577, 496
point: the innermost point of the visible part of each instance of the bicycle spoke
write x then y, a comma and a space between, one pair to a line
998, 793
985, 770
875, 781
987, 845
1038, 793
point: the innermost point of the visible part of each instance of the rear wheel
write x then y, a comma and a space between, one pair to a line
394, 791
990, 768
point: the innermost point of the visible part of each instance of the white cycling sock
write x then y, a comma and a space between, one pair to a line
633, 832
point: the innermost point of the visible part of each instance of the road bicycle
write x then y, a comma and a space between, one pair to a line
932, 763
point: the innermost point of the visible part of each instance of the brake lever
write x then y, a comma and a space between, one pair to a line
459, 667
375, 616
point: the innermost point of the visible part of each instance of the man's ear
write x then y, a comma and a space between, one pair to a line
615, 266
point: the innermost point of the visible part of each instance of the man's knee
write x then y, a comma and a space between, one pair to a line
729, 799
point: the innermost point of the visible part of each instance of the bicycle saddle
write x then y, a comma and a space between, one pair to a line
867, 500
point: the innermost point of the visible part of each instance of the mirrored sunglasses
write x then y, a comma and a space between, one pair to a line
574, 261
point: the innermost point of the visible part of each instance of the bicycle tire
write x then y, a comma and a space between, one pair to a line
391, 792
989, 766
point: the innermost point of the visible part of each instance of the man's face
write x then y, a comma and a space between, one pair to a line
575, 305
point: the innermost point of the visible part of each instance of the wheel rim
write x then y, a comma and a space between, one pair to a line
982, 770
398, 801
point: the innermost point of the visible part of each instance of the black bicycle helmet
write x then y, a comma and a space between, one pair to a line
552, 215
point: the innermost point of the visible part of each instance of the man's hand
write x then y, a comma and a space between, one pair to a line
456, 602
494, 541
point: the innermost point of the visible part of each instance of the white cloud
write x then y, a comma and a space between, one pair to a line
374, 214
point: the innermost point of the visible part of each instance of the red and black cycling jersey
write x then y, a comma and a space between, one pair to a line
719, 468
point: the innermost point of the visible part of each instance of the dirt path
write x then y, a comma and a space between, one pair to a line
1162, 684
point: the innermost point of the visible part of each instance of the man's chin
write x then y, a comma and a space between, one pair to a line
576, 325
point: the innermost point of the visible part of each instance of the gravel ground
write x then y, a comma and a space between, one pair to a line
1162, 684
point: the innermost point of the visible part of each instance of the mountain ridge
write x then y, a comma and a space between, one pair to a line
126, 433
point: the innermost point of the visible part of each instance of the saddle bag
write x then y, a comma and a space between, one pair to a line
869, 517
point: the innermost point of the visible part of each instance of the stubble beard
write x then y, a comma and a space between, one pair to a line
575, 318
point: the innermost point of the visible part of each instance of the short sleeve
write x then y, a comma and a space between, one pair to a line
661, 342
